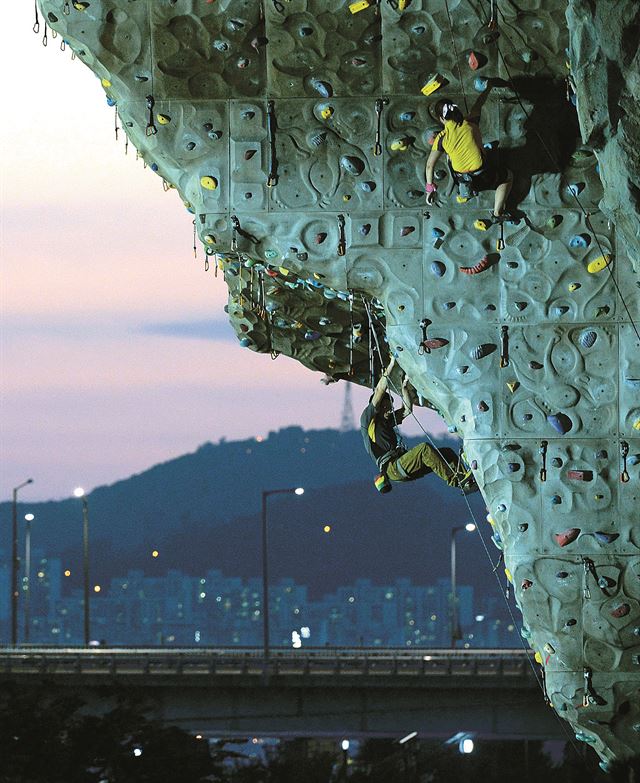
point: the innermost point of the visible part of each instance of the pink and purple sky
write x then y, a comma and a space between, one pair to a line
115, 353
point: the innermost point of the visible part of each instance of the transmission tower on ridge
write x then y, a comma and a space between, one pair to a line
347, 421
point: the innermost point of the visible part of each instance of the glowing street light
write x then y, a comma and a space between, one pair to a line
265, 563
15, 561
80, 494
455, 625
28, 518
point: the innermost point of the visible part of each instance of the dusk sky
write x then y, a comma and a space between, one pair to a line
115, 350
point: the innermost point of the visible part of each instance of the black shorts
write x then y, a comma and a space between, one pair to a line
493, 173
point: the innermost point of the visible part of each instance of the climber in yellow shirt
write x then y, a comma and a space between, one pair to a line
474, 167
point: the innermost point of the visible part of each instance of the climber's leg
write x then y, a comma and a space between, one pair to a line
502, 193
422, 460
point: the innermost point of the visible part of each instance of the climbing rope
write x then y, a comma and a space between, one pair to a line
457, 59
539, 676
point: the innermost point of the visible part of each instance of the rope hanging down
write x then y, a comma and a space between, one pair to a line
539, 676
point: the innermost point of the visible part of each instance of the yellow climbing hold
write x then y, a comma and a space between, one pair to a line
491, 520
346, 197
209, 183
512, 386
209, 239
105, 83
163, 119
507, 573
462, 199
574, 287
600, 263
80, 6
402, 4
636, 424
482, 225
326, 112
433, 84
399, 145
359, 5
538, 658
284, 272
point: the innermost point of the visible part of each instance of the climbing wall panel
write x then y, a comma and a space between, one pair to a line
317, 49
218, 51
296, 133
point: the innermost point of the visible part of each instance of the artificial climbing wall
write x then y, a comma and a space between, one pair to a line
296, 132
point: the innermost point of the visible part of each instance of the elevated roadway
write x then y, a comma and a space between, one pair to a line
354, 692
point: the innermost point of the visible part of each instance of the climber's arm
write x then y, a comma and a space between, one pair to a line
381, 386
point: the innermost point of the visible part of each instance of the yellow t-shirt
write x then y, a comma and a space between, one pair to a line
463, 145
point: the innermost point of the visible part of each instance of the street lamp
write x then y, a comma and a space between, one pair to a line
28, 518
79, 493
265, 562
15, 562
455, 624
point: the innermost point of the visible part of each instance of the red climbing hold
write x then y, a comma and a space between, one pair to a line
580, 475
485, 263
526, 584
567, 536
434, 342
473, 61
620, 611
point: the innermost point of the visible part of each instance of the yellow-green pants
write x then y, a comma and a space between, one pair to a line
423, 459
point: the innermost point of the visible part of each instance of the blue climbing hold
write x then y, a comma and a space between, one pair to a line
580, 240
438, 268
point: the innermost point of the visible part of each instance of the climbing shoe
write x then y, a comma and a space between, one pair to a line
467, 483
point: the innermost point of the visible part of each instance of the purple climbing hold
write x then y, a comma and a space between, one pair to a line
588, 338
605, 538
560, 422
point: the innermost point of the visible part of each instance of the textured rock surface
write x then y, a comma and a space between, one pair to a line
297, 135
605, 61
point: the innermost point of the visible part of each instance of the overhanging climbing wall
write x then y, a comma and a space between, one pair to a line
296, 132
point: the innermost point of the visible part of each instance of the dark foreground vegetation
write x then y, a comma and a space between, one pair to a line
56, 741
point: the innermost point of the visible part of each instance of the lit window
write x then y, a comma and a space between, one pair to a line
203, 595
327, 528
96, 588
155, 553
67, 572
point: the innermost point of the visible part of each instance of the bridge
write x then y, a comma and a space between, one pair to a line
360, 692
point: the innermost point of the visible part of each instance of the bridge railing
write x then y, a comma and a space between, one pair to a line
249, 660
